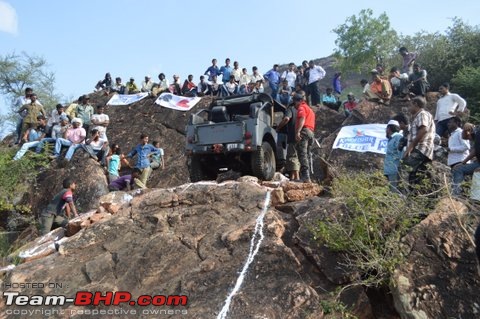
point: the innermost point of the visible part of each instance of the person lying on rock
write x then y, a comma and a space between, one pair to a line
61, 208
126, 182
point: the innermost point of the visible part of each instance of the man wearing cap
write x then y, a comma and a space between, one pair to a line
33, 110
32, 137
380, 89
147, 84
57, 131
85, 111
73, 137
393, 155
304, 128
131, 87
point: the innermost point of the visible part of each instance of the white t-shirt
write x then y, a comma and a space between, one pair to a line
101, 129
448, 103
290, 76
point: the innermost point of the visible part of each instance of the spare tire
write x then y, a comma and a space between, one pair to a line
263, 162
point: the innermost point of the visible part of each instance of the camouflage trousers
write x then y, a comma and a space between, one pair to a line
303, 152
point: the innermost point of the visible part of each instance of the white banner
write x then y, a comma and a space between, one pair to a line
125, 99
362, 138
179, 103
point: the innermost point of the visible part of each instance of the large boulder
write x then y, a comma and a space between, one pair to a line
439, 277
193, 240
88, 175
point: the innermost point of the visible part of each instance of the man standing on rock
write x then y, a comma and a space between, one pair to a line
287, 126
60, 209
304, 128
143, 150
420, 140
315, 74
448, 106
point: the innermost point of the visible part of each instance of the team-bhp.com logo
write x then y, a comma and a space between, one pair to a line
85, 298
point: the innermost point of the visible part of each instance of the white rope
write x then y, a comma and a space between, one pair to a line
254, 247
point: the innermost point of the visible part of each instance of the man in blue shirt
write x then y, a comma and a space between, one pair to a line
273, 78
393, 154
143, 150
226, 71
212, 70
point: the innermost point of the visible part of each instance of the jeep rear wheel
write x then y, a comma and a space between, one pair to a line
196, 170
263, 162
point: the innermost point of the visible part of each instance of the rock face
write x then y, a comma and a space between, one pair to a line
193, 241
439, 278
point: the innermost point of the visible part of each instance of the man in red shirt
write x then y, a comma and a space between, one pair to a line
304, 128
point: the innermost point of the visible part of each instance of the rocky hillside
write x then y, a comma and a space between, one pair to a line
205, 240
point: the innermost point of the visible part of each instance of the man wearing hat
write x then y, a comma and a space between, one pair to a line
393, 155
74, 137
304, 128
84, 112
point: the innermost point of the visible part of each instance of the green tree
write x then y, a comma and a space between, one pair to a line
19, 71
363, 41
466, 83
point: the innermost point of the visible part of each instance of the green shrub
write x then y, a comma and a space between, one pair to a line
369, 234
18, 176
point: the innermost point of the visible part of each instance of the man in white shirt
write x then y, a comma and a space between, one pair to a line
315, 74
147, 84
236, 72
448, 105
290, 75
257, 77
100, 122
54, 118
458, 148
244, 81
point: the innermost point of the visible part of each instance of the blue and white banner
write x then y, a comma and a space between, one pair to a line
126, 99
179, 103
362, 138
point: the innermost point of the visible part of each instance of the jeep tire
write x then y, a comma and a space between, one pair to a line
263, 162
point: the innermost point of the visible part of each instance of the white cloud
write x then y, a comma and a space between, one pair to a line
8, 18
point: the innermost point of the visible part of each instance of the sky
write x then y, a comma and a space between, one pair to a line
82, 40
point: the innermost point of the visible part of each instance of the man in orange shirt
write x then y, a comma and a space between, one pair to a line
304, 128
380, 89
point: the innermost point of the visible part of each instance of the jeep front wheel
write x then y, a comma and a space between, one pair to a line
263, 162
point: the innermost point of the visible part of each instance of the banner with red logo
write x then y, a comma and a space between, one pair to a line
179, 103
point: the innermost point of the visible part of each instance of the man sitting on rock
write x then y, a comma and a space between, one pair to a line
60, 209
380, 89
126, 182
147, 84
471, 162
330, 101
32, 137
131, 87
350, 104
74, 137
96, 147
57, 131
